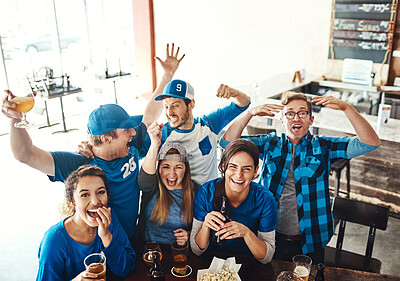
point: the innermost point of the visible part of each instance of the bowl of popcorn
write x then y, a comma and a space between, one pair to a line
220, 270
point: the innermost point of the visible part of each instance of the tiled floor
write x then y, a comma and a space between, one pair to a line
29, 200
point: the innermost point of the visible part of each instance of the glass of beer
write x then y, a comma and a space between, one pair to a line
149, 249
302, 266
96, 263
23, 105
180, 255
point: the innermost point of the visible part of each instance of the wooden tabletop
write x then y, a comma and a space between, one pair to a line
251, 268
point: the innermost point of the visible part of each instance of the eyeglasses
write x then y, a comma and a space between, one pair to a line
302, 114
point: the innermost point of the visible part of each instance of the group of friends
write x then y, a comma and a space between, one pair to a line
180, 184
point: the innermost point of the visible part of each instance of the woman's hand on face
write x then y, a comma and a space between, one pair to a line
84, 275
214, 220
232, 230
104, 221
181, 236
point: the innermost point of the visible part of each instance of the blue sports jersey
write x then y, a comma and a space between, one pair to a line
61, 257
312, 162
257, 212
121, 174
201, 140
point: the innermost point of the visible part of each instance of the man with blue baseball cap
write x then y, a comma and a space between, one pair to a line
198, 135
117, 144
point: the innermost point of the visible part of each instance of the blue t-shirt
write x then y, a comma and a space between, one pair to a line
164, 233
61, 257
121, 174
201, 141
257, 212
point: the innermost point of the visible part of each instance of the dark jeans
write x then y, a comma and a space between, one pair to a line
285, 250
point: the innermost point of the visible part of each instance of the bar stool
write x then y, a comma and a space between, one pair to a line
337, 168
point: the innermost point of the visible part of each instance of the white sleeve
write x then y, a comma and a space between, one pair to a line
269, 238
195, 229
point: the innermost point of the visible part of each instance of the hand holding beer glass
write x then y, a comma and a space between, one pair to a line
180, 255
23, 104
96, 263
287, 276
302, 266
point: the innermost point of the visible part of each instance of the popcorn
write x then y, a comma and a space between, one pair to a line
224, 274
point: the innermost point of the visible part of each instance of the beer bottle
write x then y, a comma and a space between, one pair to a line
156, 273
224, 212
320, 273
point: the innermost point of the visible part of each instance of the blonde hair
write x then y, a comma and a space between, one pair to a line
160, 211
290, 96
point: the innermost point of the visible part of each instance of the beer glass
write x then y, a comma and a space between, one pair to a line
149, 249
23, 105
287, 276
302, 266
180, 255
96, 263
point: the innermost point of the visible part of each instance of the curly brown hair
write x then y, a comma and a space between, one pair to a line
71, 184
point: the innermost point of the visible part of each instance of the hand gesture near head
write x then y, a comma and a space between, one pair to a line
155, 133
226, 92
104, 221
266, 110
330, 101
171, 62
8, 107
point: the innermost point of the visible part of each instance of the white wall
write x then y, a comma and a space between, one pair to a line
237, 42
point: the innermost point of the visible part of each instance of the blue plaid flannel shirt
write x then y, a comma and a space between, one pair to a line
312, 162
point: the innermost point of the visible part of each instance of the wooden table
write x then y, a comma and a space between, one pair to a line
251, 268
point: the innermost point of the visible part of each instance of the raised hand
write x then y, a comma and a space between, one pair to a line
171, 62
104, 221
181, 236
266, 110
155, 133
85, 149
330, 102
226, 92
8, 107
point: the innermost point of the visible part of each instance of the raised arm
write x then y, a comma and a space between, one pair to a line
170, 65
239, 98
21, 143
149, 164
235, 130
363, 129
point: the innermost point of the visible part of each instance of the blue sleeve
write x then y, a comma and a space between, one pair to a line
268, 215
357, 148
120, 255
202, 204
138, 140
221, 117
65, 163
51, 258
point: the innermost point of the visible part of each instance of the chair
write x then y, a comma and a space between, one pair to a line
337, 168
376, 217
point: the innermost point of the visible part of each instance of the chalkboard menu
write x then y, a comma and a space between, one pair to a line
362, 29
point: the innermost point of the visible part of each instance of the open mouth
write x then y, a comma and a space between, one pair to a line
171, 182
237, 182
297, 127
93, 213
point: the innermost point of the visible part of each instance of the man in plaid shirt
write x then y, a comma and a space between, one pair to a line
296, 169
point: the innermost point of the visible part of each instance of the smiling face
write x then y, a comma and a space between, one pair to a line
297, 127
239, 173
179, 115
89, 195
118, 147
172, 173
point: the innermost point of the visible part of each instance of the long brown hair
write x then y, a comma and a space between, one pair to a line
233, 148
160, 211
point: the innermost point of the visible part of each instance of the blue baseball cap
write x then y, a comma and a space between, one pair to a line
177, 89
109, 117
